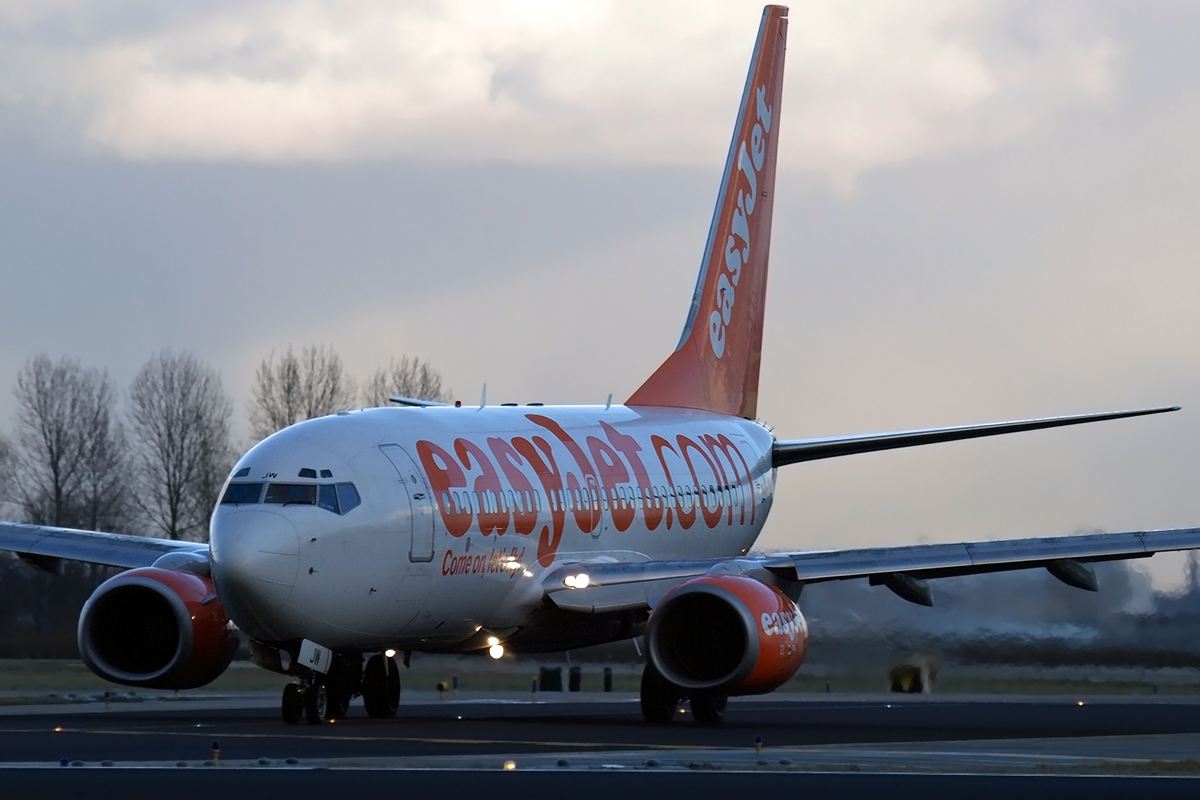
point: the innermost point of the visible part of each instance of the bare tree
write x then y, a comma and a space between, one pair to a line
70, 455
295, 389
179, 421
408, 377
7, 495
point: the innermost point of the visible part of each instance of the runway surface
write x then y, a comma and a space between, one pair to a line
595, 745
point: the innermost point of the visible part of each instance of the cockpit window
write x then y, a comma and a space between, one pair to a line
327, 498
347, 496
239, 493
338, 498
304, 494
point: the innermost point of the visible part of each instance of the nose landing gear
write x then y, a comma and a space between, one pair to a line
293, 703
325, 701
326, 697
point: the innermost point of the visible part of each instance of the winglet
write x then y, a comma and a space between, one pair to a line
715, 366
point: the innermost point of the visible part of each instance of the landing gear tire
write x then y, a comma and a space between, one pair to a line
381, 687
708, 709
293, 703
322, 704
660, 699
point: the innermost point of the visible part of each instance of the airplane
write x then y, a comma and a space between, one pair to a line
342, 541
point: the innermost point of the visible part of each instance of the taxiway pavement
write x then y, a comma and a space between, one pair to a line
598, 744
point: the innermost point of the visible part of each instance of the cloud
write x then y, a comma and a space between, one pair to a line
870, 83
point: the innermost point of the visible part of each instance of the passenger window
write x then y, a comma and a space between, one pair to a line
239, 493
347, 496
327, 497
288, 494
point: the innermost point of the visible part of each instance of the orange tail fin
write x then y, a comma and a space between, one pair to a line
715, 367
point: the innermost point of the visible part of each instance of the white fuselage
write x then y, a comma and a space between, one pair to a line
463, 509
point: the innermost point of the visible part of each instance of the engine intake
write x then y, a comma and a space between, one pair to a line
156, 628
726, 634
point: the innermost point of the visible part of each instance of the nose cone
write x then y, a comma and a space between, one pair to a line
255, 558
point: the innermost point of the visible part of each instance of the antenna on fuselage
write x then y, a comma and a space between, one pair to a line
483, 397
608, 405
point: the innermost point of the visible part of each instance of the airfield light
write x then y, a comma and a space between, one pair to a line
390, 653
510, 765
496, 651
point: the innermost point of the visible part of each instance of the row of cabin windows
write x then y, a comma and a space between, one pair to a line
623, 497
336, 497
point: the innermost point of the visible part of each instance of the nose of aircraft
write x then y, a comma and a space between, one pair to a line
255, 558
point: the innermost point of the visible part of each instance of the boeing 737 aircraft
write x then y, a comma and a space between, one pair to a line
341, 541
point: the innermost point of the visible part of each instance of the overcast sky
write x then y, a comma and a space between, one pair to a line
985, 211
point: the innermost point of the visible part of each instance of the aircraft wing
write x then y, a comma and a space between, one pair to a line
902, 569
793, 452
43, 546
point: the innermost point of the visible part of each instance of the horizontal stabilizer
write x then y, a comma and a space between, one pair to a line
414, 402
793, 452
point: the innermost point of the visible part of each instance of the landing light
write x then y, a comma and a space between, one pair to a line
390, 653
580, 581
496, 651
492, 641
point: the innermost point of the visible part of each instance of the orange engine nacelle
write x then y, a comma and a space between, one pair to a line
156, 627
726, 634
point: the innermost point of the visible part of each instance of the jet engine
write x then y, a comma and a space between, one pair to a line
727, 635
158, 628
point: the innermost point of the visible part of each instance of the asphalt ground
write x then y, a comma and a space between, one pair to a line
598, 745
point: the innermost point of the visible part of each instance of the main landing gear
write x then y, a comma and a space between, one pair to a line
661, 699
381, 687
324, 698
